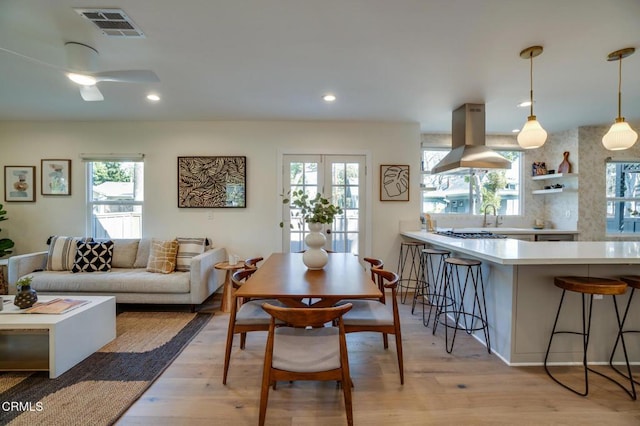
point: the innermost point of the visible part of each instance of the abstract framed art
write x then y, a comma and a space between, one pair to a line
394, 182
19, 183
212, 182
55, 177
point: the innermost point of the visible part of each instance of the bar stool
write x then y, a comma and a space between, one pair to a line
452, 300
409, 252
632, 281
589, 286
431, 281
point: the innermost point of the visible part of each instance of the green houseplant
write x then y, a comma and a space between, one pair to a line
5, 243
316, 209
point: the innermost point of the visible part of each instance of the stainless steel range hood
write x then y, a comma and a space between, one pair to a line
468, 144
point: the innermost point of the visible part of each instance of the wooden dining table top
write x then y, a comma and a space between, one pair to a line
283, 276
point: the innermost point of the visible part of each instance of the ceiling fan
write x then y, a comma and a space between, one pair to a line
81, 66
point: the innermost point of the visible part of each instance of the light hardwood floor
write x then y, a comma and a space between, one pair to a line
466, 388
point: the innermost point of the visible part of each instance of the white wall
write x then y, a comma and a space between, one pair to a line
248, 232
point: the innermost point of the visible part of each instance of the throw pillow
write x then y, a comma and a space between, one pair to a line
162, 257
188, 248
93, 257
124, 253
142, 257
62, 252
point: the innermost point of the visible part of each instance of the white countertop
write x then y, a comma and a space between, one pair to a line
509, 251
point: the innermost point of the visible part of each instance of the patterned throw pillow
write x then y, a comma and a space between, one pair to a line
188, 248
62, 252
162, 257
93, 257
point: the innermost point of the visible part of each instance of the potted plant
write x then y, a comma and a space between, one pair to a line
315, 212
312, 210
5, 243
25, 296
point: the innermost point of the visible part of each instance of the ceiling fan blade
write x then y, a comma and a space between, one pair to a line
91, 93
127, 76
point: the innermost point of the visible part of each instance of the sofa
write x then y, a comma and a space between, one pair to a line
133, 270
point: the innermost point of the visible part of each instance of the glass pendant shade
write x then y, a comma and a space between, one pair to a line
620, 136
532, 134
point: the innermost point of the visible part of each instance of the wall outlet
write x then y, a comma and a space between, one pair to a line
210, 215
567, 214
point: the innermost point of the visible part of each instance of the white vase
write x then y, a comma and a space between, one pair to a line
315, 257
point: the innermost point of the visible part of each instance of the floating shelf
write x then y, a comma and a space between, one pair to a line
552, 190
554, 176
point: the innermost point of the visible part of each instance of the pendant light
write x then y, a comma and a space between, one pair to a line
532, 134
620, 135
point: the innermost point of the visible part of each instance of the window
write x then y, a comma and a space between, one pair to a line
623, 197
470, 193
115, 196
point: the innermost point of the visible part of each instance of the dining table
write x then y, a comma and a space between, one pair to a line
285, 277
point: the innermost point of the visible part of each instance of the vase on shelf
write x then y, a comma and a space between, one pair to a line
25, 297
315, 257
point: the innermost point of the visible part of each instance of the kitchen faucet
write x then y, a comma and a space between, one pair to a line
495, 213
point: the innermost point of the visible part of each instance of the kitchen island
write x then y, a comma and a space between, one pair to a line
522, 300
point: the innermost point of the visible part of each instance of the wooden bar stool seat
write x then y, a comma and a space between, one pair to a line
589, 286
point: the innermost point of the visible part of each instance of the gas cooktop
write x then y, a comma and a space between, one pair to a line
469, 235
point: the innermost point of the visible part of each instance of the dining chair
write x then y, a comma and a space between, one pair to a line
306, 350
252, 263
377, 315
246, 316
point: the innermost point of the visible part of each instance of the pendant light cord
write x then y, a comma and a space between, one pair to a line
531, 82
620, 88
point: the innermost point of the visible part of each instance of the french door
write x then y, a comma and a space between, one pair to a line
340, 178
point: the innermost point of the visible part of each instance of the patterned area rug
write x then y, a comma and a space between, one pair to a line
103, 386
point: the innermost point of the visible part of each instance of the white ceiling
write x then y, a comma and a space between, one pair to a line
386, 60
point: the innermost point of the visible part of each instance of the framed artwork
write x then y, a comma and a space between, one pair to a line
55, 177
212, 182
19, 183
394, 182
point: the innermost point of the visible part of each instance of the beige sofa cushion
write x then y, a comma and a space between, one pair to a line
142, 257
125, 252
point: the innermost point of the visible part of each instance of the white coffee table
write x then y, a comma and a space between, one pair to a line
55, 343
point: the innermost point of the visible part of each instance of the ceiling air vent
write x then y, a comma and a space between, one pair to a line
112, 22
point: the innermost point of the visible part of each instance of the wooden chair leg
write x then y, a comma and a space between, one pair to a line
399, 354
243, 340
385, 340
264, 397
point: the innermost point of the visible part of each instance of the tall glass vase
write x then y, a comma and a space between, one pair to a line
315, 257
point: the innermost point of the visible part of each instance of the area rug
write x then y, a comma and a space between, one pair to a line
103, 386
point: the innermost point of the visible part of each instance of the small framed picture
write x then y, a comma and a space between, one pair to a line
55, 177
394, 182
19, 183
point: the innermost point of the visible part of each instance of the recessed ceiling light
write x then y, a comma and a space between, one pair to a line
329, 97
153, 97
524, 104
515, 130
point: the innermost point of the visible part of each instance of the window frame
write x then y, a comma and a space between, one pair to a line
469, 199
619, 200
91, 203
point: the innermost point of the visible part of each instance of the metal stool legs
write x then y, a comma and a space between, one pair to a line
431, 282
619, 338
585, 333
409, 251
452, 301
